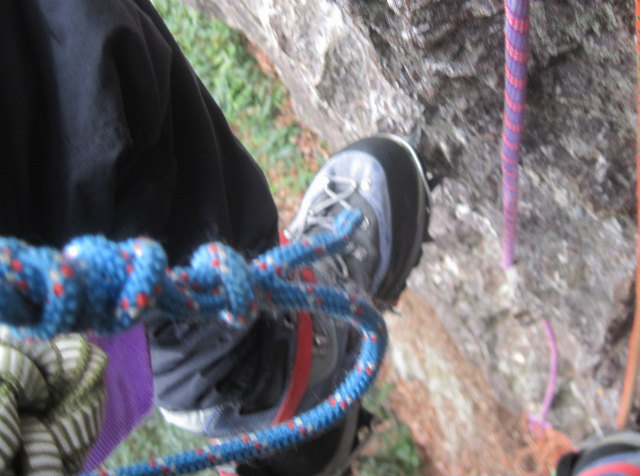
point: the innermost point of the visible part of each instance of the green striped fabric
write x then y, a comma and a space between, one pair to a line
52, 399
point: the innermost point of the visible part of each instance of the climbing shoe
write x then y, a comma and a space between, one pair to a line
383, 177
287, 365
282, 368
617, 453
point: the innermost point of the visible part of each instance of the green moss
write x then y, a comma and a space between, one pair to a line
396, 453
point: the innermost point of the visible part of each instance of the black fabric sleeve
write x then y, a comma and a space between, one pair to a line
105, 128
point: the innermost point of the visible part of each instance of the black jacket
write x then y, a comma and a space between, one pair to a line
105, 128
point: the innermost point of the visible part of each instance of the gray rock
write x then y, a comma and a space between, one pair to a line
434, 70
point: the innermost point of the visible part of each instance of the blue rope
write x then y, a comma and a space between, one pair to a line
44, 292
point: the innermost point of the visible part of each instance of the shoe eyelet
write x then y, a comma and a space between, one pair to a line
360, 253
320, 346
365, 224
365, 185
289, 321
320, 340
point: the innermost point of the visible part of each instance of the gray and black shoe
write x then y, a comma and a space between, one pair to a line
614, 454
286, 366
383, 177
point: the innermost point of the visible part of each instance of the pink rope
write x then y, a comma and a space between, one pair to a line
541, 423
516, 32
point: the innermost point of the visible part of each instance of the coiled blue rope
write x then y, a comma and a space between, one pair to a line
107, 287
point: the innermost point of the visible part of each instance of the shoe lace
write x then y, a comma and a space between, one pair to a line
337, 190
317, 215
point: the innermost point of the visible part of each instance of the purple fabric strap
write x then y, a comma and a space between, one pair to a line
516, 56
129, 384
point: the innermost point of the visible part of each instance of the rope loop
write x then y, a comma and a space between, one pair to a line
48, 389
106, 287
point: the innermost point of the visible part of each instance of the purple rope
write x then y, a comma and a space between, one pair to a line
516, 54
516, 32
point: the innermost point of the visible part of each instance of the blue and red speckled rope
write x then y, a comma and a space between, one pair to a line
105, 287
94, 279
516, 56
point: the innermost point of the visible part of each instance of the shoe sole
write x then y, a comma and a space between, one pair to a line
410, 207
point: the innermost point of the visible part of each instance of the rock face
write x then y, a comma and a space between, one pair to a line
433, 69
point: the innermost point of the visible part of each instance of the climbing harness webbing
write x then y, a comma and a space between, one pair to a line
94, 279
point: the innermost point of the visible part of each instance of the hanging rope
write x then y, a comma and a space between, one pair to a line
633, 356
51, 404
93, 280
516, 56
516, 33
540, 425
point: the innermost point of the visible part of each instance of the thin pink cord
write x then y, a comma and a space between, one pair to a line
538, 424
